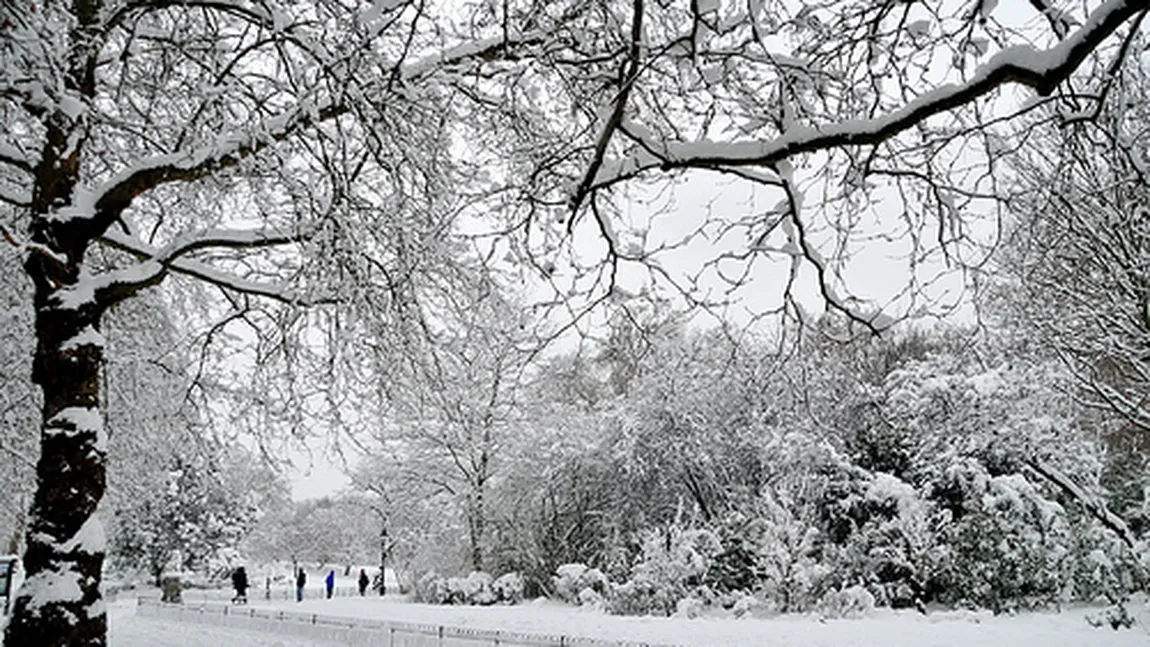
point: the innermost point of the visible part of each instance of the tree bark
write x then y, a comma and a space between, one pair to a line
60, 601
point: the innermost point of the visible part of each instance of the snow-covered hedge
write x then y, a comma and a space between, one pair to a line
575, 584
478, 588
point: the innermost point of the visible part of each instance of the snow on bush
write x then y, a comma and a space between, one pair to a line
928, 491
478, 588
508, 588
431, 588
1008, 550
852, 602
786, 547
674, 564
689, 607
745, 606
592, 599
571, 580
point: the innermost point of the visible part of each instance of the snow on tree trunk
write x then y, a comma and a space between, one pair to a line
60, 602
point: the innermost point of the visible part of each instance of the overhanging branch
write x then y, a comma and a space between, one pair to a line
153, 269
1023, 65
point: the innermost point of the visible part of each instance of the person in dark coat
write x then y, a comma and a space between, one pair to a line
240, 584
300, 581
363, 582
329, 582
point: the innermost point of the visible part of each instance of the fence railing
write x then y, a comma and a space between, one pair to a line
360, 631
257, 594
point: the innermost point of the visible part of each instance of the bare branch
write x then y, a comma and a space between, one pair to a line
877, 323
1059, 20
155, 267
1022, 65
626, 82
118, 193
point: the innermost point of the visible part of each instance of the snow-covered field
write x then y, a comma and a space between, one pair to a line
882, 627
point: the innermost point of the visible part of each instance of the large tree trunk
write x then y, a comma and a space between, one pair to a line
60, 602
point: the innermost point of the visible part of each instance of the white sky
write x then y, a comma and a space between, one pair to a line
322, 478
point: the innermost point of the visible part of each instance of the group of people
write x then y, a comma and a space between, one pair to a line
329, 583
240, 584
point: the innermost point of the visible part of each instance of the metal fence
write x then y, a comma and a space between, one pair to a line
360, 631
277, 592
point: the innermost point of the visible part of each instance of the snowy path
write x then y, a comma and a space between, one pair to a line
890, 629
127, 629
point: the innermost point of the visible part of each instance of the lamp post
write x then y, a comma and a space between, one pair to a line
383, 561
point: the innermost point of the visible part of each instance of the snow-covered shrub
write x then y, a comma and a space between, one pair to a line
674, 563
889, 547
735, 568
1009, 549
745, 606
851, 602
432, 588
571, 579
1103, 569
475, 589
786, 554
592, 599
689, 607
1115, 616
641, 597
508, 588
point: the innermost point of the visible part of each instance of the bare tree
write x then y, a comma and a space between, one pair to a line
457, 413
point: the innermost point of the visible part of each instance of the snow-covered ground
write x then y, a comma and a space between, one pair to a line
882, 627
128, 629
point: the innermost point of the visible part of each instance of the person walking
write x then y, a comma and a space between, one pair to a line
300, 581
329, 583
240, 584
363, 582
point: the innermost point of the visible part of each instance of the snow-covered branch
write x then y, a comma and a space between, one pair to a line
1093, 504
227, 238
16, 199
118, 192
626, 82
37, 248
483, 49
1041, 70
156, 264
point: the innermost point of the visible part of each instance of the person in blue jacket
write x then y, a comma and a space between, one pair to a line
329, 582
